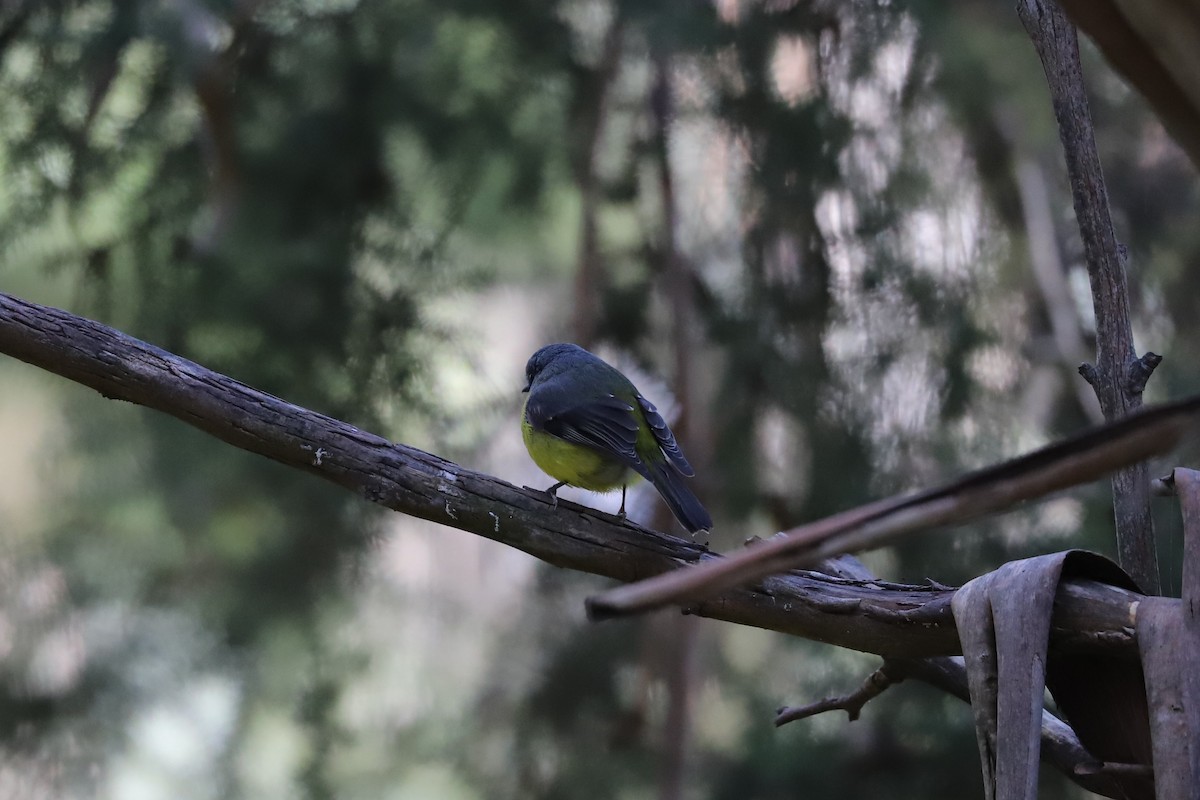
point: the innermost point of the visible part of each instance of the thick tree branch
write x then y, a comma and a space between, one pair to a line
1057, 46
903, 623
866, 615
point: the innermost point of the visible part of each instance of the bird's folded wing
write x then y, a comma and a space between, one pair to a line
607, 425
664, 437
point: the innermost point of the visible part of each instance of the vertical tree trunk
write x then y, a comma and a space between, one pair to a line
1118, 376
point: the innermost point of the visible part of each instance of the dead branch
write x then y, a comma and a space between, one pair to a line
1057, 46
870, 616
875, 684
912, 621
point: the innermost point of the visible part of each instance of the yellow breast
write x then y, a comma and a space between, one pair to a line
578, 466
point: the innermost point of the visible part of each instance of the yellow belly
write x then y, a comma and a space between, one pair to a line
578, 466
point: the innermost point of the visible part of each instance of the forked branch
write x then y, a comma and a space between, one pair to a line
1118, 376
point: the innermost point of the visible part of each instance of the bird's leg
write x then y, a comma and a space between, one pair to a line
551, 491
621, 513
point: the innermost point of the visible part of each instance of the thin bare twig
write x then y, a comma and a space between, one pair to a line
875, 684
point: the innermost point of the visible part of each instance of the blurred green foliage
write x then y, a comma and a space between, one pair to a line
319, 198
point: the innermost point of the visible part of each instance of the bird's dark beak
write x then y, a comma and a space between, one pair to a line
526, 389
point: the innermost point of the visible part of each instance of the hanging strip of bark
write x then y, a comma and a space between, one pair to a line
1004, 621
1169, 639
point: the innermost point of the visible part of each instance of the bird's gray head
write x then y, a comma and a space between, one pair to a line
551, 359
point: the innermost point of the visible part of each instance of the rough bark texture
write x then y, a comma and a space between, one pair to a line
871, 616
1115, 376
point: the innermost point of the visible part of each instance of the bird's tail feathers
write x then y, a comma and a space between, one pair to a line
683, 504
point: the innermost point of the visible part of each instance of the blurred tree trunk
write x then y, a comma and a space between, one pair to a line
592, 97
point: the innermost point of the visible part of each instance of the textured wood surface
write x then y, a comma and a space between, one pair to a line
867, 615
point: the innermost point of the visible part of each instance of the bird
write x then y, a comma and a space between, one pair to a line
586, 425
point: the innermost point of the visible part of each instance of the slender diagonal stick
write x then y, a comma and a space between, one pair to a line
1075, 461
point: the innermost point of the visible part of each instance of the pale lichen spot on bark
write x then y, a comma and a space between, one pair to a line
449, 477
